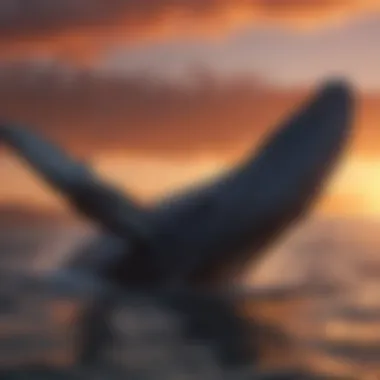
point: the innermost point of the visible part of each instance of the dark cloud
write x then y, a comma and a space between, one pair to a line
81, 29
89, 112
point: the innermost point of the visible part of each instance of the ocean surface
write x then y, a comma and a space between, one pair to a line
314, 299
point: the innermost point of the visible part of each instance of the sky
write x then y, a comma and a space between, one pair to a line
159, 94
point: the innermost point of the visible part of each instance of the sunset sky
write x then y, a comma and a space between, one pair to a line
160, 93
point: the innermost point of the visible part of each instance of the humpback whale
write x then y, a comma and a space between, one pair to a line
207, 234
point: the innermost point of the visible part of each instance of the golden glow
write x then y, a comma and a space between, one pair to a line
153, 178
354, 189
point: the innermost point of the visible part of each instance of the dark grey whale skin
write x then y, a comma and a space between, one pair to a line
207, 234
203, 236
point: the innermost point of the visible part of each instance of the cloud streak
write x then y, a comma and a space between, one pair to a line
92, 113
81, 30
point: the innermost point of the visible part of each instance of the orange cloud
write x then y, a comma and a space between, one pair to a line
80, 30
91, 113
